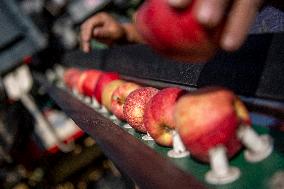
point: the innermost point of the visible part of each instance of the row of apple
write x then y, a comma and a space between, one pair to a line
212, 123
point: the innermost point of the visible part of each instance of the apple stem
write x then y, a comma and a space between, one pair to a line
258, 147
222, 172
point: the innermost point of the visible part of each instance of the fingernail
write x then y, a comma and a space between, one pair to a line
85, 48
228, 43
204, 14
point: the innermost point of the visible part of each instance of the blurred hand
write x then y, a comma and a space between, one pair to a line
102, 27
237, 15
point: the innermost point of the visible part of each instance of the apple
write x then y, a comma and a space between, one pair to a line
90, 82
119, 96
135, 106
158, 116
80, 81
70, 77
108, 91
103, 80
175, 32
210, 117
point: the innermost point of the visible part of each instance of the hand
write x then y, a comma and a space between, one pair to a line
103, 28
237, 15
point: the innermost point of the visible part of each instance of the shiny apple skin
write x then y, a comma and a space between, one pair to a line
159, 118
119, 96
176, 33
210, 117
108, 91
103, 80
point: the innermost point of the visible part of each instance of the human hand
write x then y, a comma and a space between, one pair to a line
236, 15
102, 27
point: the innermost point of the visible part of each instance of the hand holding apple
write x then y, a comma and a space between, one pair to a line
237, 17
175, 32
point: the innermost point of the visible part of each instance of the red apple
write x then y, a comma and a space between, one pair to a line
119, 96
80, 81
175, 32
158, 117
135, 106
108, 91
103, 80
90, 82
209, 117
70, 76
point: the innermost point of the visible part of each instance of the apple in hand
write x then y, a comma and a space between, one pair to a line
119, 96
90, 82
209, 117
175, 32
103, 80
108, 90
158, 116
135, 106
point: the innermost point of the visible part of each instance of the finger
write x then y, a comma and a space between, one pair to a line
210, 12
85, 46
240, 19
179, 3
101, 32
88, 26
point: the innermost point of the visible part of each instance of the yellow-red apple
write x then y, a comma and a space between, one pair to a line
210, 117
119, 96
107, 92
103, 80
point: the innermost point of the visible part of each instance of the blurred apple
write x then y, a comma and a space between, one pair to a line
119, 96
175, 32
210, 117
108, 91
80, 81
90, 82
135, 106
71, 76
158, 117
103, 80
